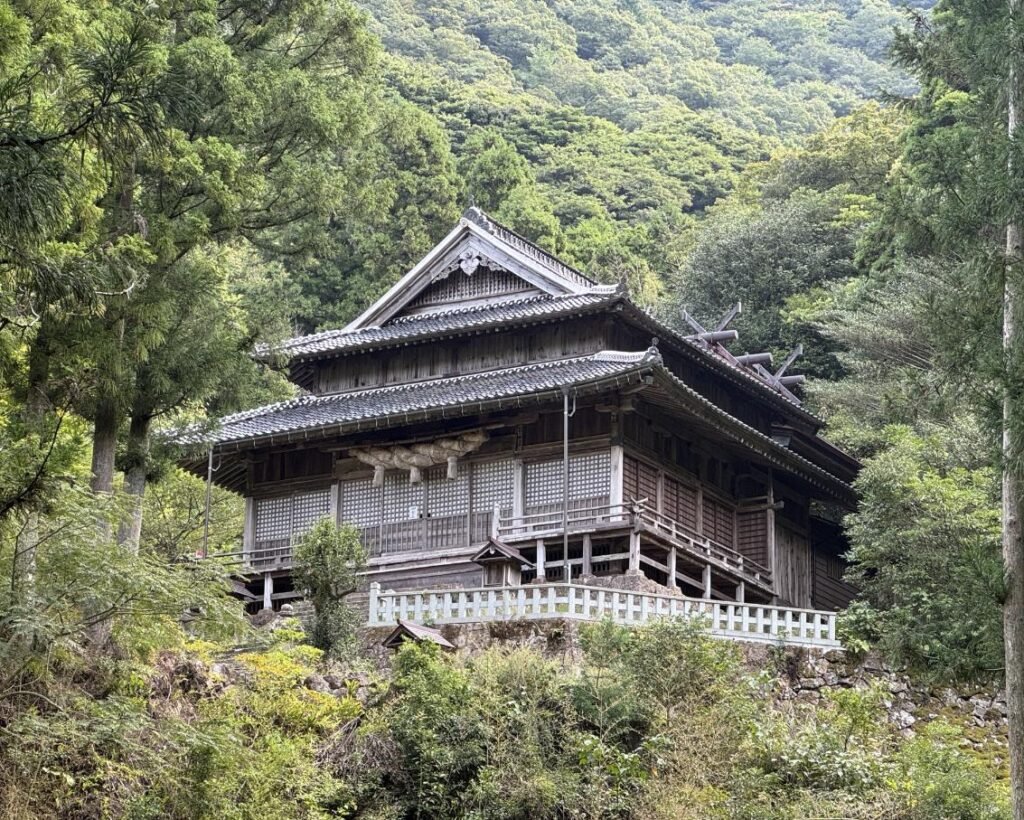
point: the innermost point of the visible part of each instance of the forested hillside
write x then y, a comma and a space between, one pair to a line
601, 128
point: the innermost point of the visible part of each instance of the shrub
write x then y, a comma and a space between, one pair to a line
327, 563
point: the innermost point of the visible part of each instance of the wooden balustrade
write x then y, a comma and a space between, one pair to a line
540, 525
735, 621
727, 555
441, 532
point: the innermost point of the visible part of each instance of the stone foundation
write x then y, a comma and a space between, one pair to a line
628, 583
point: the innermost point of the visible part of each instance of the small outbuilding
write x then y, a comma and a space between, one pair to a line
409, 631
503, 564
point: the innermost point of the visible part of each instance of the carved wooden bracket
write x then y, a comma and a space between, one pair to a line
416, 457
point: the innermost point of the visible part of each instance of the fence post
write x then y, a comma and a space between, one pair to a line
374, 603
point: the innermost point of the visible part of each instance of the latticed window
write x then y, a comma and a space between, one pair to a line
360, 504
447, 501
280, 522
402, 500
273, 519
589, 477
401, 530
309, 508
492, 485
447, 496
543, 484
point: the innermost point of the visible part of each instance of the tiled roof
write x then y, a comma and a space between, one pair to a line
524, 245
742, 375
522, 310
457, 394
771, 449
447, 320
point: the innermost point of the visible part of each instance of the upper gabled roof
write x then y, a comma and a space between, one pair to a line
438, 323
476, 240
553, 290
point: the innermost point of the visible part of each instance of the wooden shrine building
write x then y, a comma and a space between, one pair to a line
436, 424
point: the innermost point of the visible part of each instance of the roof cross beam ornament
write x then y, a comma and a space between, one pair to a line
720, 334
779, 380
753, 363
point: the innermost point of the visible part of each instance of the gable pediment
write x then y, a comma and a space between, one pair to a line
477, 262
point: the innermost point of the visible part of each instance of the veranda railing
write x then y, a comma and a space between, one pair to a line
546, 524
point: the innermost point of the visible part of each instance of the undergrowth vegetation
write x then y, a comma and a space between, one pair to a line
659, 722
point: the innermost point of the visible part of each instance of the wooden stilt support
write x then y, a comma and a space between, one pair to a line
268, 591
541, 560
672, 582
588, 556
741, 592
707, 581
634, 554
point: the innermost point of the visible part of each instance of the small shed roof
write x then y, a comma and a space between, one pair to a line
495, 550
409, 631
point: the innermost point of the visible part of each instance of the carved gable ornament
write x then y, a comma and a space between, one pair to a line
476, 242
468, 262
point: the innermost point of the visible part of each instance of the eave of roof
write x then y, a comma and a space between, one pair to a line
495, 550
453, 322
416, 632
699, 353
525, 311
313, 416
748, 436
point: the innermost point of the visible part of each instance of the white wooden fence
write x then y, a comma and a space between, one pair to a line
736, 621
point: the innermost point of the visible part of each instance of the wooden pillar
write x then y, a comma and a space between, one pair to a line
268, 591
741, 592
615, 487
541, 559
336, 503
248, 529
707, 581
673, 584
588, 554
518, 490
634, 554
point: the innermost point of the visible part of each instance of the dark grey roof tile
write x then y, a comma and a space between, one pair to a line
444, 320
312, 412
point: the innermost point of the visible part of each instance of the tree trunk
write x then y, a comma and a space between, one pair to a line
1013, 420
37, 404
137, 467
104, 446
